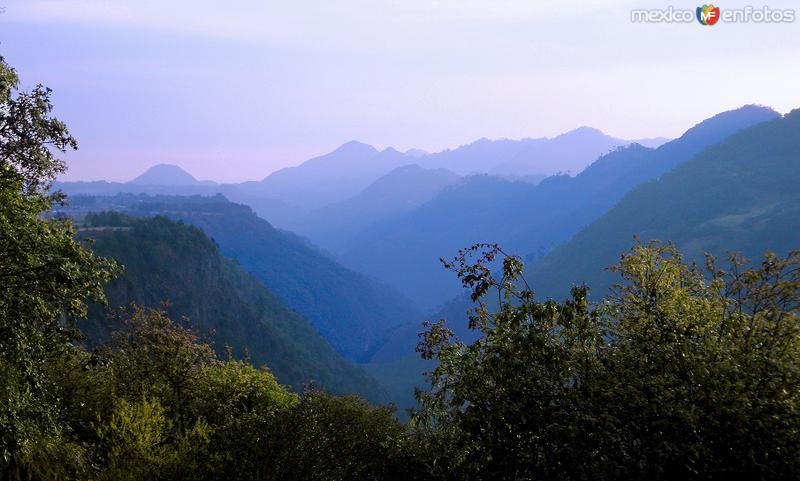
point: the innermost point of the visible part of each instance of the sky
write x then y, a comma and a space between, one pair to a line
234, 90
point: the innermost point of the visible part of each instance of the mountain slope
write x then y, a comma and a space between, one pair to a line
394, 194
521, 217
739, 195
329, 178
352, 312
170, 261
404, 187
569, 152
478, 157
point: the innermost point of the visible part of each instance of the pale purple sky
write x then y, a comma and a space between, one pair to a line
234, 90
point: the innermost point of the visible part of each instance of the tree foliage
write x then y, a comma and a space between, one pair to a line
156, 403
170, 260
680, 374
45, 278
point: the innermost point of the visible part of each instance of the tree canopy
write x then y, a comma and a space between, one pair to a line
682, 373
45, 275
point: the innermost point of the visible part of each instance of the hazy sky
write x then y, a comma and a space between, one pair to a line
232, 90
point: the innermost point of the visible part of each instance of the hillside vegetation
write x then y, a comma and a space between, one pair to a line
739, 195
167, 261
352, 312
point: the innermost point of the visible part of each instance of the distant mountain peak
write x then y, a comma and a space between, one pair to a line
750, 112
749, 109
165, 174
583, 130
355, 147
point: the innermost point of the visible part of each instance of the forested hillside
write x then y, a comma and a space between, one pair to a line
352, 312
739, 195
167, 261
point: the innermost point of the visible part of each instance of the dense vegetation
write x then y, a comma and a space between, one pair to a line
681, 373
167, 261
156, 403
44, 275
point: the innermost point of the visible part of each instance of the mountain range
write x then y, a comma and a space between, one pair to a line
524, 218
740, 195
286, 196
736, 195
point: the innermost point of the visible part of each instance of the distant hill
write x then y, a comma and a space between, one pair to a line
404, 187
570, 153
523, 218
739, 195
275, 210
343, 173
165, 174
398, 192
480, 156
330, 178
352, 312
170, 261
159, 179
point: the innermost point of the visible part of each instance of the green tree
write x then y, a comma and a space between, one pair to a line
152, 356
679, 374
161, 406
139, 441
45, 278
330, 438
